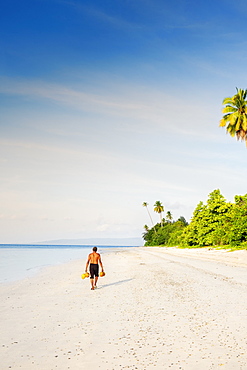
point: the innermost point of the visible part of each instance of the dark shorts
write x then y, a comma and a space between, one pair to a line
94, 270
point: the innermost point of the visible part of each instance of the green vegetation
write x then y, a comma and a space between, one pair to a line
167, 232
217, 223
235, 115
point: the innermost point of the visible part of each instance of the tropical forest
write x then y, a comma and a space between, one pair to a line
217, 223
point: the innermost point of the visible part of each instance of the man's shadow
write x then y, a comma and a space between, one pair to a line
116, 283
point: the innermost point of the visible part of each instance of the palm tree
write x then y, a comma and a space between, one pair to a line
159, 209
145, 204
168, 216
235, 115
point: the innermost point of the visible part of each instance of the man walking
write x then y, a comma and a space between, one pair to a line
94, 260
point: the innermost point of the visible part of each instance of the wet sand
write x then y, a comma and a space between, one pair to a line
156, 308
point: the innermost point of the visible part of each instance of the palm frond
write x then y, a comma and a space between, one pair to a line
244, 123
227, 101
229, 109
223, 122
237, 126
233, 118
230, 129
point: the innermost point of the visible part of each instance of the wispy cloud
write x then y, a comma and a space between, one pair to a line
155, 16
101, 15
79, 99
140, 107
239, 5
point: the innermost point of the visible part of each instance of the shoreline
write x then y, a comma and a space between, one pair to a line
236, 257
19, 262
156, 308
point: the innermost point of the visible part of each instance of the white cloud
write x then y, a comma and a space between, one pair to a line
130, 108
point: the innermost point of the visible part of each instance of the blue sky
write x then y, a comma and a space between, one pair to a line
107, 104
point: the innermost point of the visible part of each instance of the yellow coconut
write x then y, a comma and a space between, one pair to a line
102, 274
86, 274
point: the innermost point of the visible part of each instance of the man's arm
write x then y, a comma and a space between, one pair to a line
88, 261
101, 264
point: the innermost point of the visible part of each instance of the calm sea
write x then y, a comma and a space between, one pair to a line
18, 261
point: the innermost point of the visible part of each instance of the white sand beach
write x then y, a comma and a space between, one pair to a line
156, 308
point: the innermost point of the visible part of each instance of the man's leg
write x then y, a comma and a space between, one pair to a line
92, 274
92, 284
95, 281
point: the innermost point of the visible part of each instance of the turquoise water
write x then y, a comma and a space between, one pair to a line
21, 261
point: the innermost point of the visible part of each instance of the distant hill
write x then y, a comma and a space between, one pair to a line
97, 241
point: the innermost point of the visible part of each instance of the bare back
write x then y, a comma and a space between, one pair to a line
94, 258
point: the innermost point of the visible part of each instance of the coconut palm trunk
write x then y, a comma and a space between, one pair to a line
145, 204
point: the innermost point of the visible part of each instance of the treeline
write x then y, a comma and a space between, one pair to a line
216, 223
